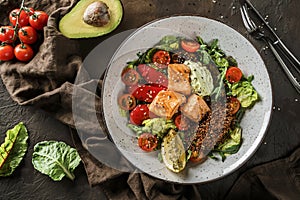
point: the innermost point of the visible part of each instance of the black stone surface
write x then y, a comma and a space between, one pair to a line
282, 137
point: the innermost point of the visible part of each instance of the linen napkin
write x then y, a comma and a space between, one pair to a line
47, 82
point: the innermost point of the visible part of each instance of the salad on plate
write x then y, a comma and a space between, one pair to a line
185, 98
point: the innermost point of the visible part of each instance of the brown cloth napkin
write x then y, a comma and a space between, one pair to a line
47, 82
279, 179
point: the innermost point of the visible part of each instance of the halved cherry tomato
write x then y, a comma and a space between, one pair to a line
147, 142
27, 35
38, 20
161, 59
181, 123
6, 52
23, 52
7, 34
190, 45
234, 105
151, 75
23, 18
233, 74
130, 76
127, 102
197, 157
139, 114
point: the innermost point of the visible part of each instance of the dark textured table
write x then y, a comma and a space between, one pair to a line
281, 139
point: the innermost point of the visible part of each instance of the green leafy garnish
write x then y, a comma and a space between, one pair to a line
13, 149
156, 126
230, 145
55, 159
245, 92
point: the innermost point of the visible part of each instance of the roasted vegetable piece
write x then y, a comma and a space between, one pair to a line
147, 93
173, 152
139, 114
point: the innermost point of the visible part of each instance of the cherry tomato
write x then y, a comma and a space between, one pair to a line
233, 74
23, 52
197, 157
7, 34
181, 123
161, 59
6, 52
130, 76
234, 105
29, 11
147, 142
139, 114
190, 45
27, 35
23, 18
38, 20
151, 75
127, 102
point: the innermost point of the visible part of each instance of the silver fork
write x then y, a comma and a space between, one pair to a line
254, 30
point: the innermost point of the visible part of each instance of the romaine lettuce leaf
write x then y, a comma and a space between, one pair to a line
55, 159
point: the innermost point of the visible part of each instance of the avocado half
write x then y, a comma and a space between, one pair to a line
73, 26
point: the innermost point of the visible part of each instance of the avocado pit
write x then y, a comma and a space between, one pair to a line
96, 14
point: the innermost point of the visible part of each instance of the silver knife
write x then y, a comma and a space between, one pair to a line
278, 40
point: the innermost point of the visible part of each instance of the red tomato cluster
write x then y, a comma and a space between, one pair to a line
24, 29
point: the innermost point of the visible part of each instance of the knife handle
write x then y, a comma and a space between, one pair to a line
289, 74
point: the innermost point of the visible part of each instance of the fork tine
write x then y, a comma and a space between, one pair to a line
247, 20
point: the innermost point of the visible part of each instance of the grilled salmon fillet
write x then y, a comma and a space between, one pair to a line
179, 78
195, 108
166, 103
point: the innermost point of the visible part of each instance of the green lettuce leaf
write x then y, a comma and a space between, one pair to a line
55, 159
156, 126
13, 149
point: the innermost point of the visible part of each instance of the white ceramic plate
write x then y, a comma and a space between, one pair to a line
254, 123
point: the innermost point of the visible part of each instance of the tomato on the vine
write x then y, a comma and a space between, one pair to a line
23, 17
147, 142
161, 59
190, 45
233, 74
7, 34
27, 35
6, 52
23, 52
38, 20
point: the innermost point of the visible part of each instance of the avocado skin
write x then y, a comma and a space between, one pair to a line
72, 25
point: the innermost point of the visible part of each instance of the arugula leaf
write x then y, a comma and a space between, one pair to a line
13, 149
55, 159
